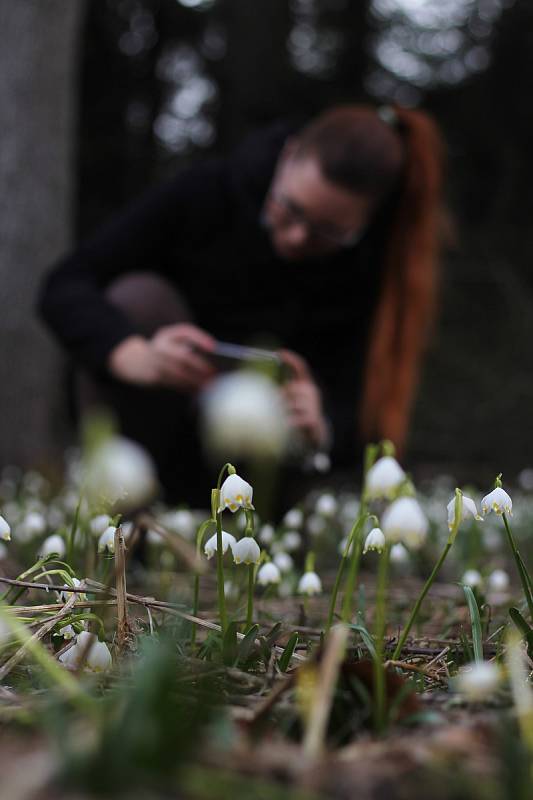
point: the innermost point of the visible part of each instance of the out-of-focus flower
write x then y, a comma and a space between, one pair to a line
498, 501
33, 524
211, 545
181, 521
107, 540
266, 534
525, 479
5, 530
384, 478
498, 580
97, 655
283, 561
235, 493
472, 578
404, 521
293, 518
231, 590
375, 541
98, 524
316, 524
478, 681
268, 573
468, 509
53, 545
67, 632
291, 541
246, 551
309, 584
399, 554
121, 473
244, 415
64, 596
326, 505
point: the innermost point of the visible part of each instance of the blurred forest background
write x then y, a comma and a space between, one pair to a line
102, 99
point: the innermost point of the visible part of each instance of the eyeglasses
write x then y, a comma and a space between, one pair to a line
295, 214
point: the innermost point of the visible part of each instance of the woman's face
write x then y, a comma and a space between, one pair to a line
307, 215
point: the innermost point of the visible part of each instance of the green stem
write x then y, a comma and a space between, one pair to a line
423, 593
250, 607
195, 599
520, 564
355, 558
220, 577
379, 671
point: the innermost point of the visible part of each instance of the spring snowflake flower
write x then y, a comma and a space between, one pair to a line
468, 509
53, 545
384, 478
293, 518
5, 530
326, 505
291, 541
268, 573
404, 521
64, 596
498, 580
246, 551
309, 584
375, 541
211, 545
472, 578
498, 501
33, 524
122, 473
97, 655
399, 554
235, 493
107, 540
266, 534
181, 521
98, 524
67, 632
283, 561
478, 681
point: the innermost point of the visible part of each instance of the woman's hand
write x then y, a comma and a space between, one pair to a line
304, 401
170, 358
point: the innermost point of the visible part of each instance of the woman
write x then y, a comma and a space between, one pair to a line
320, 239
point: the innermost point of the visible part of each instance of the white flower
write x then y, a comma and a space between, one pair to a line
266, 534
375, 541
235, 493
122, 473
64, 596
499, 501
107, 540
498, 580
53, 545
268, 573
211, 545
181, 521
316, 524
309, 584
468, 509
67, 632
283, 561
3, 551
97, 655
33, 524
127, 529
246, 551
231, 590
404, 521
398, 554
5, 530
291, 541
244, 415
154, 538
293, 518
478, 681
98, 524
384, 478
472, 578
326, 505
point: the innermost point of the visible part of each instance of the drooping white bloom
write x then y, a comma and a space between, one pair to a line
244, 415
266, 534
375, 541
468, 509
404, 521
326, 505
283, 561
67, 632
384, 478
316, 524
211, 545
235, 493
53, 545
107, 540
399, 554
97, 655
180, 521
525, 479
498, 580
498, 501
33, 524
472, 578
246, 551
231, 590
478, 681
122, 473
268, 573
98, 524
291, 541
309, 584
5, 530
293, 518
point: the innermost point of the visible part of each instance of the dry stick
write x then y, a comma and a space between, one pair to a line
329, 667
181, 546
123, 626
37, 636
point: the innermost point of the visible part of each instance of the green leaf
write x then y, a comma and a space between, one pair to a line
477, 635
285, 658
246, 645
229, 645
367, 638
273, 635
525, 630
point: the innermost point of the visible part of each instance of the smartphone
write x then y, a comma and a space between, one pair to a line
227, 356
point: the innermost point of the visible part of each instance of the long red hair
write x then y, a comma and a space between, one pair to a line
396, 158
